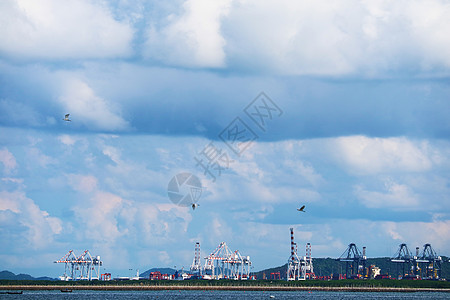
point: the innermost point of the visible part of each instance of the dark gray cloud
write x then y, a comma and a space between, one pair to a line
185, 102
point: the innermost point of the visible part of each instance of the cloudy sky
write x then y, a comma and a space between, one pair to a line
352, 122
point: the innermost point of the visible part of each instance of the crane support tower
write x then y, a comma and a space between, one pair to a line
83, 267
426, 265
355, 261
196, 267
224, 263
432, 263
404, 259
294, 264
309, 264
299, 268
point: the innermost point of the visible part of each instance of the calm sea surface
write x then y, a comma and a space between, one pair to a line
130, 295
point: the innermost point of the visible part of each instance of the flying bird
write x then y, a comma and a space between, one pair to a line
302, 209
195, 205
66, 118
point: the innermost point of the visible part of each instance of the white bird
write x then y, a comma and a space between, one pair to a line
66, 118
302, 209
195, 205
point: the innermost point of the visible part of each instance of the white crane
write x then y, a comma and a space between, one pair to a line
66, 118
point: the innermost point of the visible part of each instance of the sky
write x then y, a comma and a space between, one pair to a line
341, 106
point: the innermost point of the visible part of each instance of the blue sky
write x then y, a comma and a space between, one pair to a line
361, 138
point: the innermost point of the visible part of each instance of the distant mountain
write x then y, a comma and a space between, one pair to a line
11, 276
46, 278
169, 271
7, 275
266, 273
322, 267
328, 266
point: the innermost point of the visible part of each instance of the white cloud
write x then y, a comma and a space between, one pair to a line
117, 214
288, 37
8, 160
67, 140
8, 202
99, 216
346, 37
39, 227
305, 170
53, 29
83, 183
248, 169
16, 181
105, 216
430, 23
395, 196
113, 154
268, 173
256, 214
377, 155
164, 257
86, 108
217, 230
35, 155
192, 39
391, 229
156, 224
436, 233
338, 37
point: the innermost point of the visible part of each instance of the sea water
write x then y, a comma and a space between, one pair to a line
209, 294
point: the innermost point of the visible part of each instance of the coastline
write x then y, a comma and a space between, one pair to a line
220, 288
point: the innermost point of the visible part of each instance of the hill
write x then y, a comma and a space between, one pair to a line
322, 267
11, 276
328, 266
169, 271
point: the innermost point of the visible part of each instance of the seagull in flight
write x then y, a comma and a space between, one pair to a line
302, 209
195, 205
66, 118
